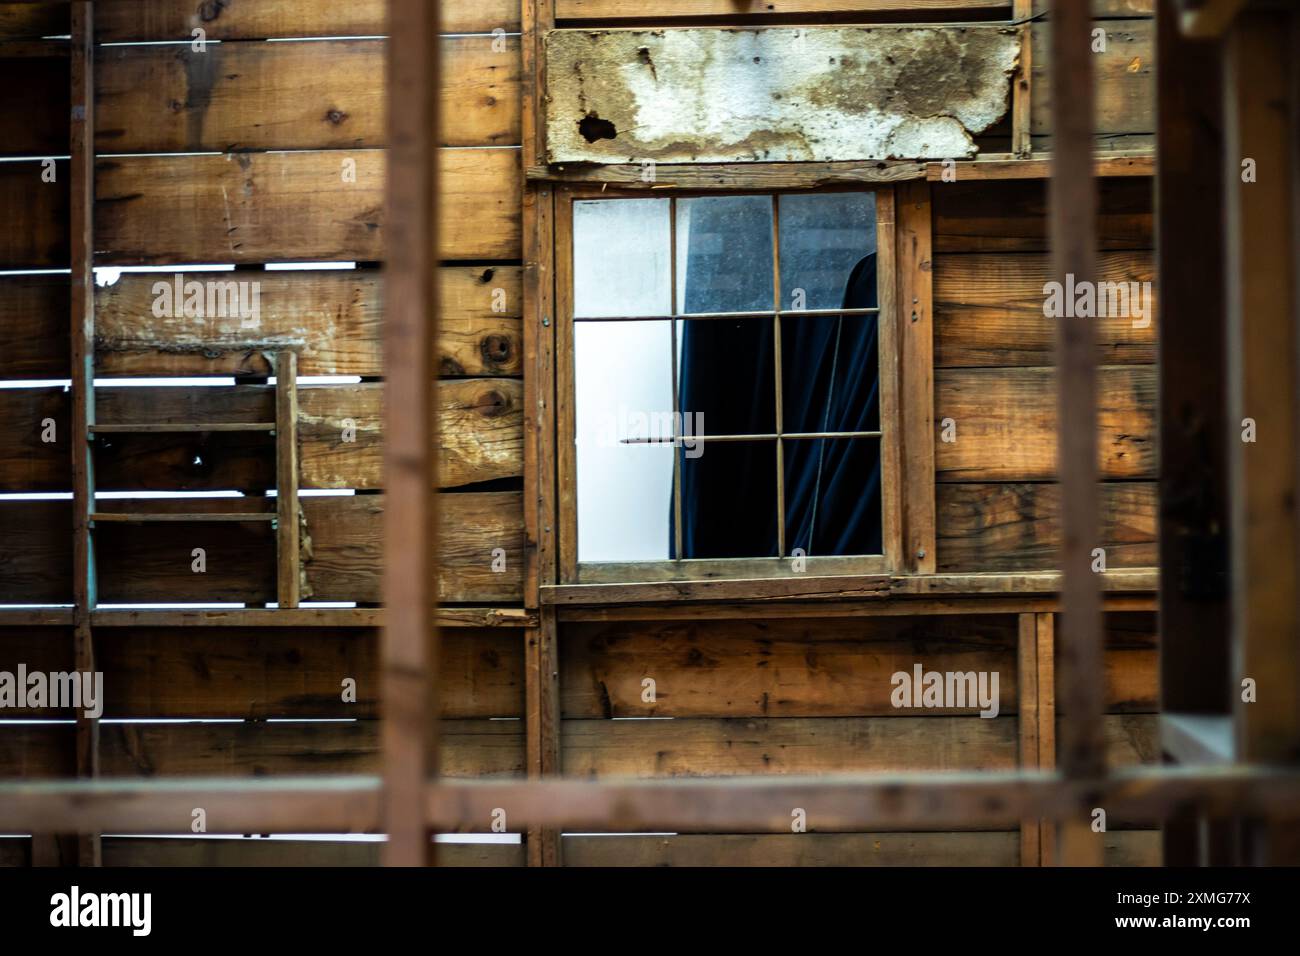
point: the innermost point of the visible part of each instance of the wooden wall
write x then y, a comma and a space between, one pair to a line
236, 155
996, 510
244, 153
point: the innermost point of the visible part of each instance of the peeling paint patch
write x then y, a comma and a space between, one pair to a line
776, 95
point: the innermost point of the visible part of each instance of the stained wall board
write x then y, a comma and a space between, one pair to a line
34, 197
468, 748
137, 851
774, 94
125, 20
277, 672
1124, 70
33, 20
1123, 848
989, 310
1004, 422
812, 667
321, 95
342, 548
332, 319
34, 99
291, 207
1011, 215
340, 437
802, 849
1015, 526
710, 747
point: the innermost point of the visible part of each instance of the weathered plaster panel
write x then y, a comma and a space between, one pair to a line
779, 94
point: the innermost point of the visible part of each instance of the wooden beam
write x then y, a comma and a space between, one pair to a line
857, 802
991, 167
915, 335
1262, 385
410, 641
1027, 683
1021, 97
1193, 429
82, 229
542, 725
288, 563
727, 176
1045, 661
1073, 235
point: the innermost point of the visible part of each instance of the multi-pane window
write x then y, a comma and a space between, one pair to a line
726, 386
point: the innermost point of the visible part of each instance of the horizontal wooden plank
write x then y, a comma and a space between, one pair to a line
28, 20
991, 848
124, 20
1011, 216
480, 433
331, 318
35, 552
33, 318
480, 201
239, 208
1133, 848
314, 206
34, 99
340, 436
347, 547
727, 747
788, 849
179, 851
468, 748
1107, 8
36, 215
814, 667
324, 95
988, 310
630, 10
1124, 77
34, 448
1131, 739
782, 746
342, 549
184, 672
1004, 423
806, 668
1016, 526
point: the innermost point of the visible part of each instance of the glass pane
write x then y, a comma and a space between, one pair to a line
727, 376
621, 258
729, 499
824, 236
830, 373
724, 254
832, 496
623, 373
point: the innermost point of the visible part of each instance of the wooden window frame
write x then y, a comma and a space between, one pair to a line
892, 560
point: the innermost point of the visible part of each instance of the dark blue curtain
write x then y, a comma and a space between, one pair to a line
830, 373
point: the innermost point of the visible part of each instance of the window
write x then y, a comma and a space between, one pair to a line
725, 408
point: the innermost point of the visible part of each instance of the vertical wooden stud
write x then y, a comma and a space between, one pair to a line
289, 569
410, 641
915, 324
82, 205
1027, 685
1022, 90
1073, 232
542, 725
1045, 661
